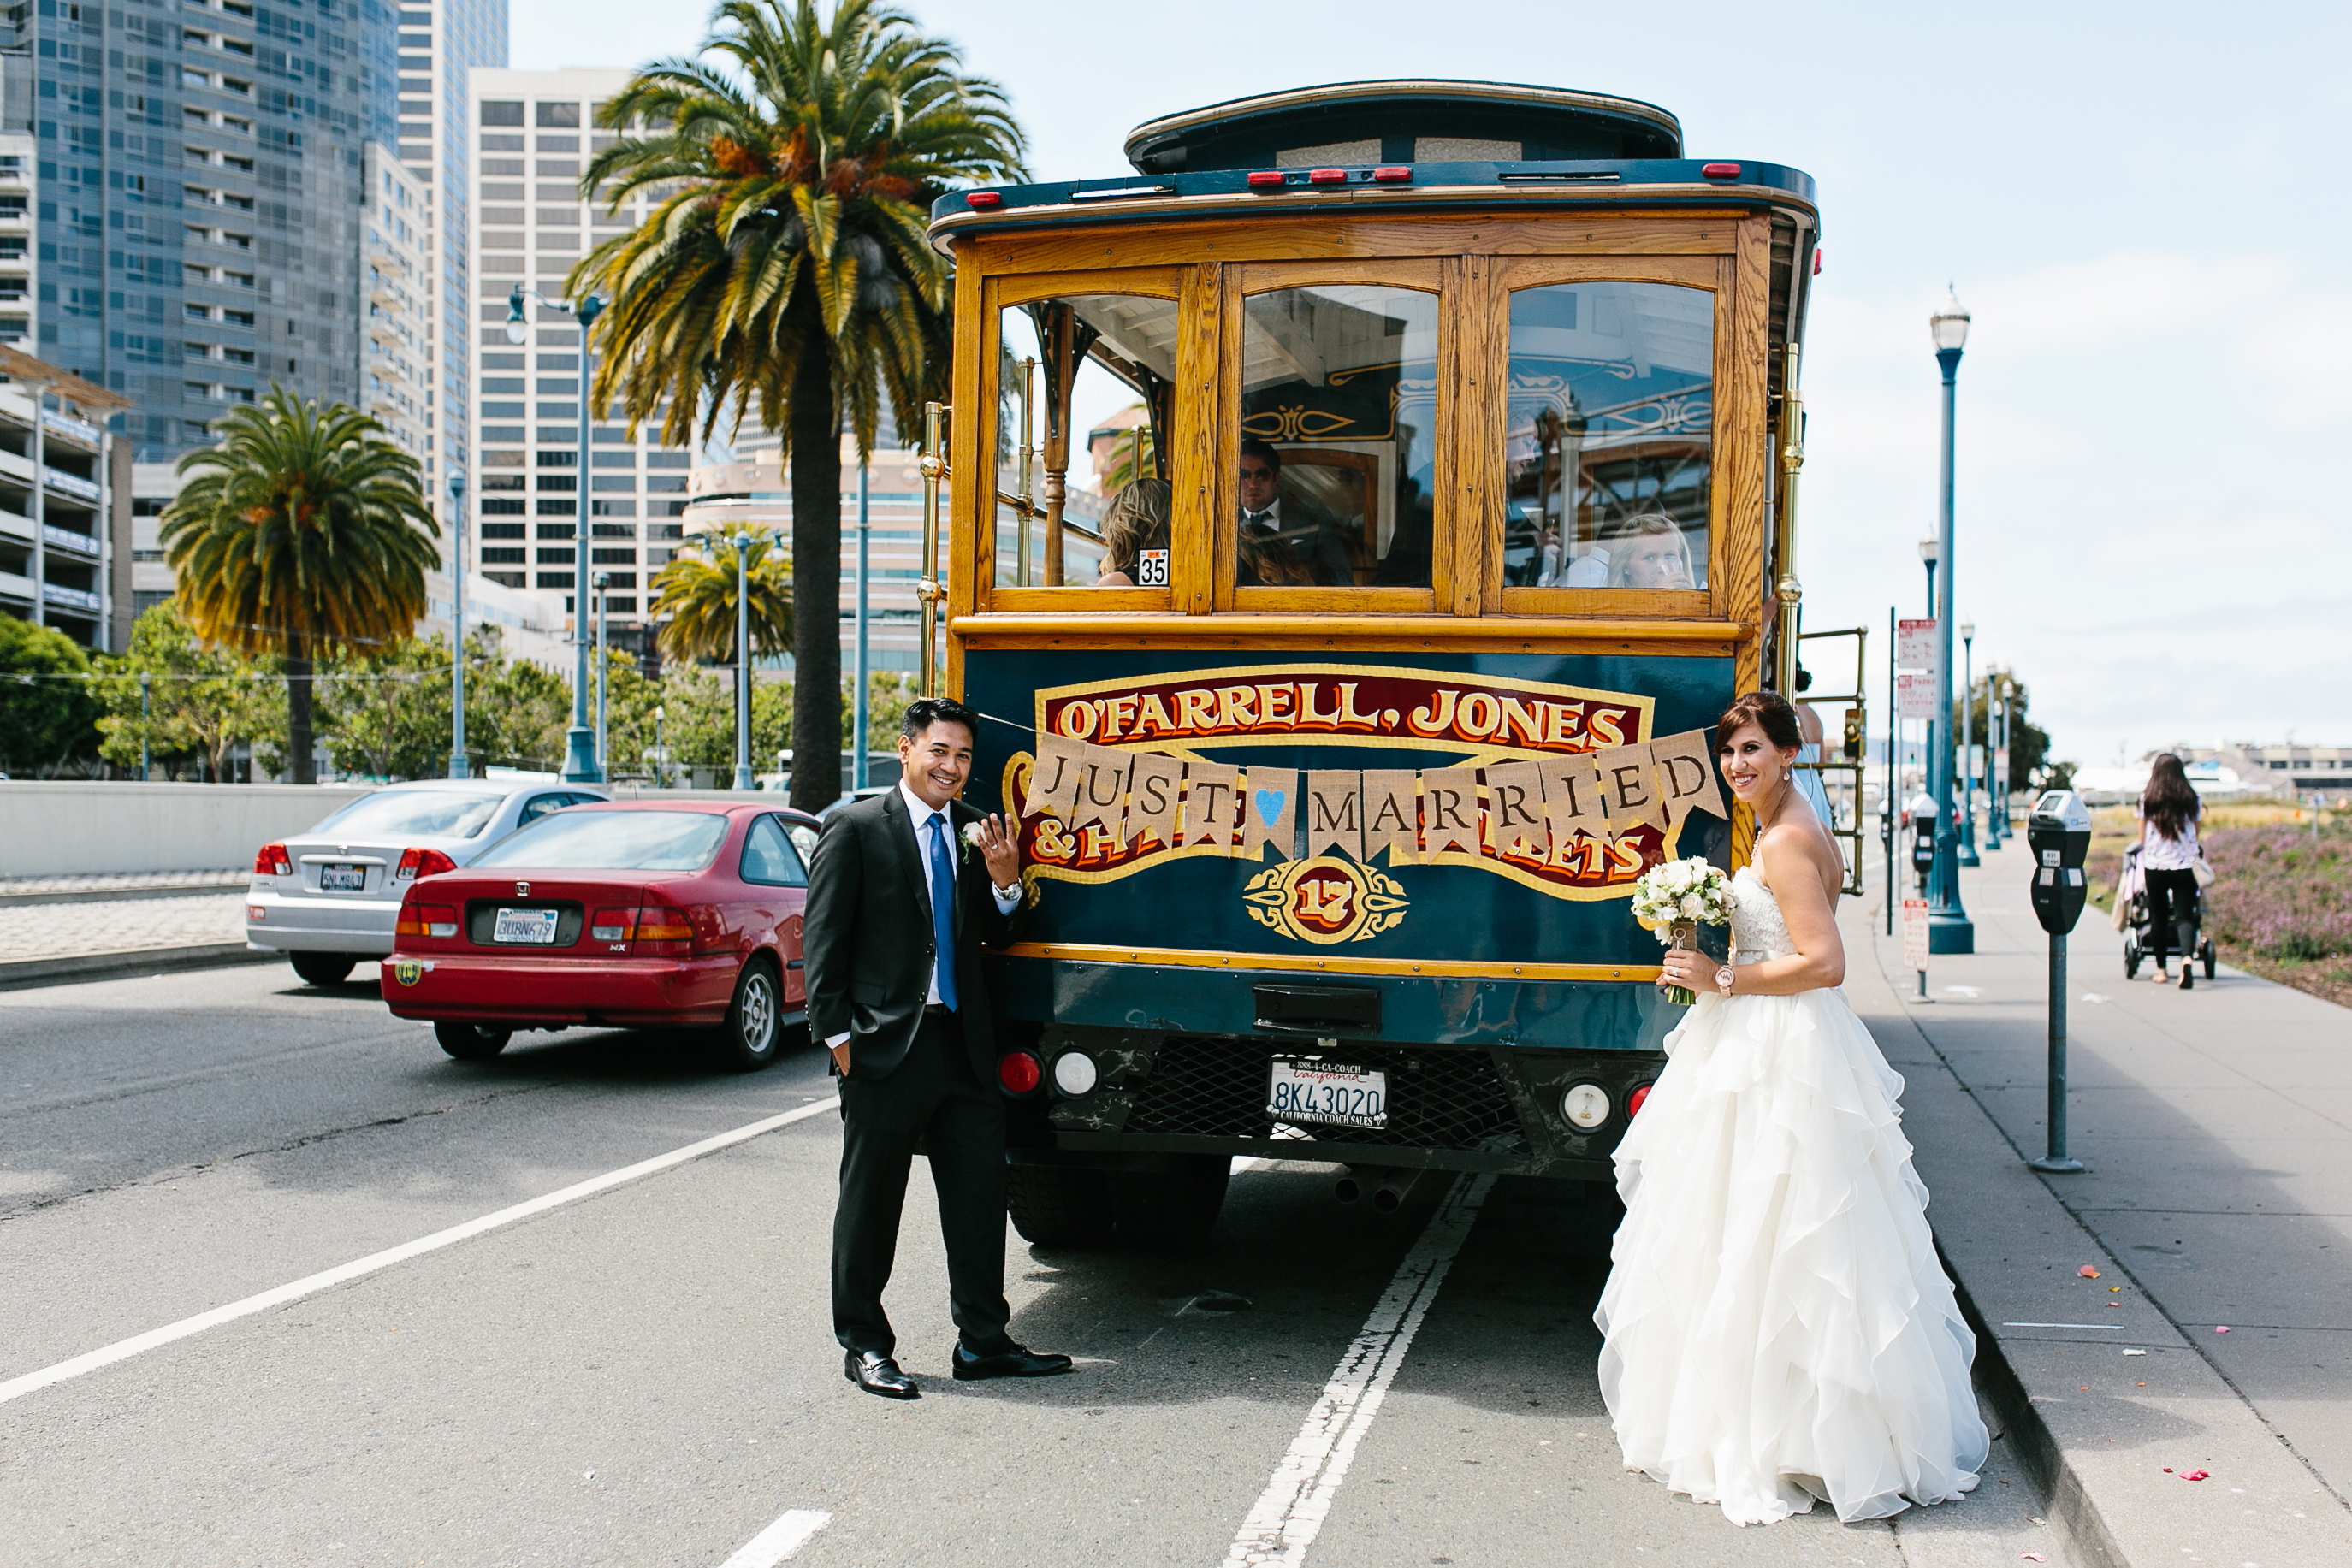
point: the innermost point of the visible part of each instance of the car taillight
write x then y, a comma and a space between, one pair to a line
273, 861
1020, 1072
612, 925
1633, 1100
427, 920
415, 863
661, 929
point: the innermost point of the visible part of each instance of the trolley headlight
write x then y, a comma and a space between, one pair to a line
1586, 1105
1074, 1072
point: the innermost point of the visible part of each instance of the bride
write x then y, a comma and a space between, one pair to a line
1776, 1326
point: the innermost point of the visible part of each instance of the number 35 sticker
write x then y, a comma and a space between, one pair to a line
1151, 569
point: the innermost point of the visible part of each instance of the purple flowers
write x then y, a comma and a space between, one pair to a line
2281, 893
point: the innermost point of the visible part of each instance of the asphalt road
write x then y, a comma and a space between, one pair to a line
646, 1375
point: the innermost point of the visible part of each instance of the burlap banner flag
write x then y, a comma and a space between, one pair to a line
1686, 773
1630, 778
1391, 814
1574, 806
1209, 790
1102, 788
1152, 796
1449, 799
1269, 812
1515, 808
1335, 813
1054, 778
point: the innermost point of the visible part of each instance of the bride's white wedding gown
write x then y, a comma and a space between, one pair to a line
1778, 1327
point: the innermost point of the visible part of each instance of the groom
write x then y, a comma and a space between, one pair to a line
905, 888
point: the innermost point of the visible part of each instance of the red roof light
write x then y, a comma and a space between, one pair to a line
1720, 171
1264, 179
983, 201
1327, 176
1393, 174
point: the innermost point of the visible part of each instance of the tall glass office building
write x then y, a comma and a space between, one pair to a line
198, 202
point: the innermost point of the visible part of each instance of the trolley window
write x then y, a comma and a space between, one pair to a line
1608, 444
1334, 469
1084, 406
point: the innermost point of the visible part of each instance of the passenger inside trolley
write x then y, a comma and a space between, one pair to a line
1136, 522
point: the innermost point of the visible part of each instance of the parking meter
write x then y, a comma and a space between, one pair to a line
2059, 833
1922, 812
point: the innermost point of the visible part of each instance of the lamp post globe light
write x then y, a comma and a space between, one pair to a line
744, 539
579, 754
1969, 744
458, 767
2007, 716
1949, 930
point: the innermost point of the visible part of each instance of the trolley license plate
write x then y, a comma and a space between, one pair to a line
342, 878
532, 925
1329, 1093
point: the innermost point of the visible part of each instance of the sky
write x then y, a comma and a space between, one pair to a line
2138, 205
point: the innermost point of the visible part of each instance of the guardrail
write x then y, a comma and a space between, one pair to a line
71, 483
65, 539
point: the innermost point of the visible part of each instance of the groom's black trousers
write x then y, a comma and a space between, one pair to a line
934, 1096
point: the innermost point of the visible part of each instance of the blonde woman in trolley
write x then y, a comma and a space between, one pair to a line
1649, 550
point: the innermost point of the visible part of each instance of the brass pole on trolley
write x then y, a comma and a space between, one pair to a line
1786, 589
927, 586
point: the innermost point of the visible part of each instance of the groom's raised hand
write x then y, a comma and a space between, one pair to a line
1000, 851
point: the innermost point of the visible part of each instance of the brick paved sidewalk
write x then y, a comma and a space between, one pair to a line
72, 930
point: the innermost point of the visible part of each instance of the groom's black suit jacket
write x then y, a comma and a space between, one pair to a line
866, 936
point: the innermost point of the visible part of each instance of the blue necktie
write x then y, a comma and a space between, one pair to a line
943, 907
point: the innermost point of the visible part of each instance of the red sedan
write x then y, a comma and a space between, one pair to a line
630, 915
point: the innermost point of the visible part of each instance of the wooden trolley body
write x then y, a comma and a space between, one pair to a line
1484, 980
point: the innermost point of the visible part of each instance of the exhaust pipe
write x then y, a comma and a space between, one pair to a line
1348, 1187
1388, 1197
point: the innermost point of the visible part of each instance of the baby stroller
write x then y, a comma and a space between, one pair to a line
2131, 897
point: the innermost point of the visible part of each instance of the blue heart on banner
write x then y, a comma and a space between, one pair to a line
1269, 805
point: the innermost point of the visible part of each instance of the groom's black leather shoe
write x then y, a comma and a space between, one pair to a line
879, 1375
1011, 1362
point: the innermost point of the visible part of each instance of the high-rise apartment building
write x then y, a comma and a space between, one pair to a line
533, 132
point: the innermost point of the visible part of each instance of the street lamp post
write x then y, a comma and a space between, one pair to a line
2008, 738
1949, 930
580, 761
1969, 744
661, 757
857, 701
146, 769
458, 767
604, 666
743, 541
1928, 550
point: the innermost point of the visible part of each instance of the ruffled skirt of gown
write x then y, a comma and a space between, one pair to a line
1778, 1325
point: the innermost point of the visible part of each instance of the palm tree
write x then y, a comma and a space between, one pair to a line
304, 531
783, 270
696, 592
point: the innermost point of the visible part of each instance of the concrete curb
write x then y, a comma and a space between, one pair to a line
2107, 1438
20, 972
119, 895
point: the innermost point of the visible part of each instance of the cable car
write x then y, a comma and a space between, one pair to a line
1353, 518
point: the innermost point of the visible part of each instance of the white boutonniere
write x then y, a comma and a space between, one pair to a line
970, 839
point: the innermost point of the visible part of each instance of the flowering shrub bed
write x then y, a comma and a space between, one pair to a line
2281, 894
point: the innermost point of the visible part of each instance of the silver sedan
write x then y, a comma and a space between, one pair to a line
329, 899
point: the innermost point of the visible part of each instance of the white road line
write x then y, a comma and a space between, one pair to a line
1291, 1511
122, 1349
780, 1540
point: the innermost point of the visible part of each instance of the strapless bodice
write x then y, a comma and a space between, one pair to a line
1757, 932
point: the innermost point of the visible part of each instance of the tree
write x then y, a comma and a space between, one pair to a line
46, 711
784, 268
387, 712
2029, 744
304, 531
197, 701
696, 591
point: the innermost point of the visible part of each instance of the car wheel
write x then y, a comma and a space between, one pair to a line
748, 1039
324, 969
471, 1042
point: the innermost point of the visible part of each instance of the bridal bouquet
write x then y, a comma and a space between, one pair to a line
1673, 899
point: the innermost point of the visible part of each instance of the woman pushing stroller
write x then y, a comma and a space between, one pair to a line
2167, 810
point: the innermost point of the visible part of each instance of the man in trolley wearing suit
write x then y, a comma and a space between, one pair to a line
905, 888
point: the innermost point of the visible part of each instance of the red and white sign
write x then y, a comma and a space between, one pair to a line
1914, 696
2001, 766
1914, 644
1915, 933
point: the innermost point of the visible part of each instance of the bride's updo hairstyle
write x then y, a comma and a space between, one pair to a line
1768, 711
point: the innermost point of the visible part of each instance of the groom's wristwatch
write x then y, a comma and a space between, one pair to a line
1723, 980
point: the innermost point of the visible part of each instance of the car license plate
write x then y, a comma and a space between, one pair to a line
342, 878
1329, 1093
533, 925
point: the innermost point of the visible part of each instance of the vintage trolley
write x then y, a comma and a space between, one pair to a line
1444, 497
